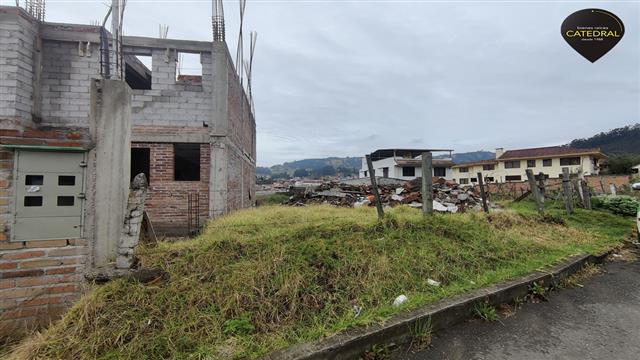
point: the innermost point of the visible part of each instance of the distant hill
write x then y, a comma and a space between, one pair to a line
473, 156
624, 140
346, 162
344, 165
313, 167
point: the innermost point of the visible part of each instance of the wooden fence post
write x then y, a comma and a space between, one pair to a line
586, 193
427, 183
566, 189
374, 186
485, 207
535, 191
543, 192
577, 188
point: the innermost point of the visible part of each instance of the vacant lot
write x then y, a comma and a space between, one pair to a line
262, 279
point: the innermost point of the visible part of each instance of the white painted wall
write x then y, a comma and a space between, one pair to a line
395, 171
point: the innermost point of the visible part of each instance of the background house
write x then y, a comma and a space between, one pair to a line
467, 173
635, 169
511, 165
405, 164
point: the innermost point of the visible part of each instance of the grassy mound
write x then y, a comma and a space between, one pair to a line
262, 279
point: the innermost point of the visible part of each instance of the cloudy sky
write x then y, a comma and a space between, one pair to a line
342, 78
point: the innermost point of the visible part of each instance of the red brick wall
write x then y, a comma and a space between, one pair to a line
167, 200
39, 280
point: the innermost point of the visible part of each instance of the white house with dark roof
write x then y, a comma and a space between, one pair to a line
405, 164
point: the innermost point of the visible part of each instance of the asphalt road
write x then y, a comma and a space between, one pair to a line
599, 321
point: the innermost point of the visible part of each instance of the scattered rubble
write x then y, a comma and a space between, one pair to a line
447, 195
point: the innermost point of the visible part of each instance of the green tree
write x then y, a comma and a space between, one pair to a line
300, 173
327, 170
621, 164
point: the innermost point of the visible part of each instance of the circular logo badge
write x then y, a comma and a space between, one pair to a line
592, 32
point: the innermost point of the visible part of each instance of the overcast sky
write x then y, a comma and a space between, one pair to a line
342, 78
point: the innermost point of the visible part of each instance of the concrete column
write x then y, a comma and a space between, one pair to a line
218, 129
219, 125
218, 178
110, 127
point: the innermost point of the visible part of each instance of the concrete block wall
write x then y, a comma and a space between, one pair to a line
18, 34
66, 83
242, 126
167, 199
173, 103
241, 152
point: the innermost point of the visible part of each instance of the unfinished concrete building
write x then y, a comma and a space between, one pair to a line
71, 140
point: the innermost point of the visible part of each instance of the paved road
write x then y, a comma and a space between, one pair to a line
599, 321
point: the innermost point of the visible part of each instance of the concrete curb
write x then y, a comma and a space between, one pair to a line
397, 330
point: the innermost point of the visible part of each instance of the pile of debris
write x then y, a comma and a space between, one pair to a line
447, 196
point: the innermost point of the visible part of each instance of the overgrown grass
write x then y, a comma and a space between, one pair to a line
262, 279
271, 199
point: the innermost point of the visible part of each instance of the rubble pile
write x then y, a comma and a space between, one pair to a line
447, 196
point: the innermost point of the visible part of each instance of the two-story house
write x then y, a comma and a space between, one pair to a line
511, 165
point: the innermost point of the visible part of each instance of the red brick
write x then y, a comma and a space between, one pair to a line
77, 242
69, 251
42, 134
44, 301
7, 284
22, 255
37, 281
34, 292
7, 304
46, 243
60, 289
39, 264
6, 132
19, 313
72, 260
74, 136
8, 266
5, 245
17, 293
21, 273
61, 270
